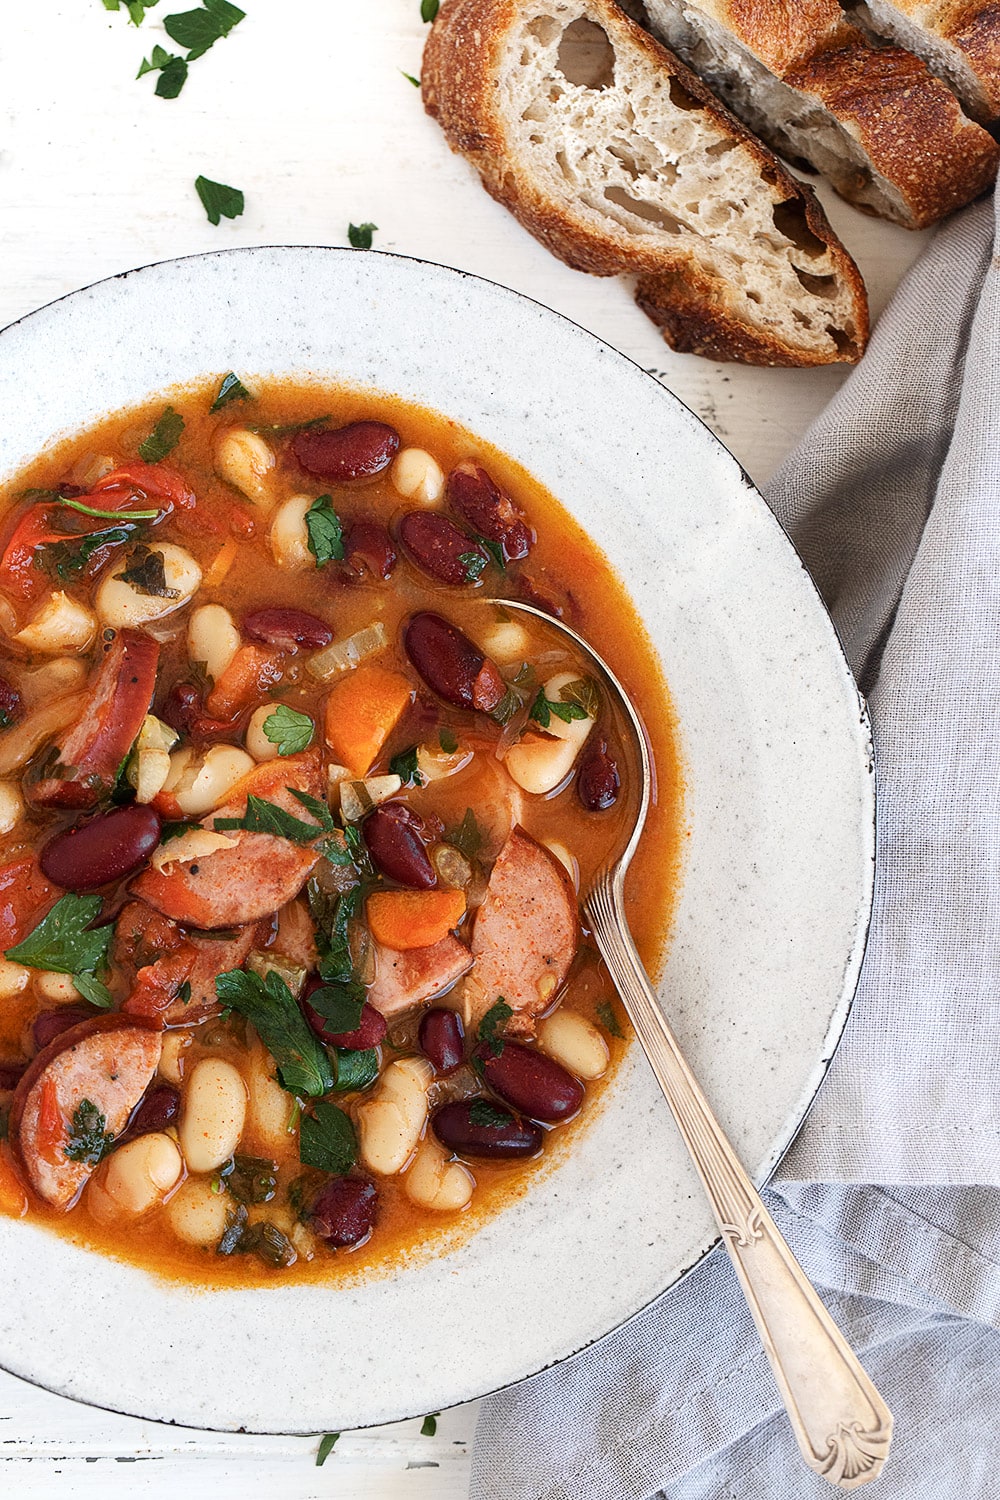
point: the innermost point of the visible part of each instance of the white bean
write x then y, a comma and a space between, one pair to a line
61, 625
575, 1042
389, 1125
198, 1215
58, 989
417, 474
214, 1112
435, 764
20, 743
142, 1172
120, 605
568, 861
172, 1058
11, 806
506, 641
56, 678
244, 460
257, 742
540, 763
290, 535
13, 979
207, 781
269, 1111
434, 1182
213, 638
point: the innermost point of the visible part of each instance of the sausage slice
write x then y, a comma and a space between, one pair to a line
526, 934
403, 980
81, 1088
88, 754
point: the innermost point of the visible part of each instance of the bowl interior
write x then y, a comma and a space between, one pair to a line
776, 884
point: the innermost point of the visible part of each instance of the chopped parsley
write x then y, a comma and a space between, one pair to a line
327, 1139
327, 1444
543, 708
88, 1139
340, 1003
584, 692
487, 1115
136, 8
404, 765
356, 1069
219, 200
429, 1425
289, 730
608, 1019
144, 571
249, 1179
263, 1239
202, 28
67, 560
360, 235
267, 817
428, 9
410, 79
64, 941
108, 515
164, 437
231, 389
492, 1025
467, 837
173, 71
473, 563
270, 1007
326, 536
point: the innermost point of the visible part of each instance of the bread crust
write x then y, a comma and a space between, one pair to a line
909, 124
975, 30
459, 86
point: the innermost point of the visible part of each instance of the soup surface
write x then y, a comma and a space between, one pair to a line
293, 819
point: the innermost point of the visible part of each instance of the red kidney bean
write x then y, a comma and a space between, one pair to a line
182, 709
49, 1024
392, 834
451, 665
489, 511
10, 704
529, 591
441, 548
287, 628
367, 545
345, 1210
158, 1108
441, 1038
11, 1075
455, 1127
370, 1031
105, 848
535, 1084
342, 454
597, 780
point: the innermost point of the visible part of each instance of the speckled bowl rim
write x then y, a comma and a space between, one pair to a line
833, 1036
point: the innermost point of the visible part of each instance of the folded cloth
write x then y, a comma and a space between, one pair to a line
893, 500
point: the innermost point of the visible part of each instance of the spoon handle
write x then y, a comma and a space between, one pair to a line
841, 1424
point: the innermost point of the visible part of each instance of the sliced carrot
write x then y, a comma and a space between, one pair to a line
220, 564
13, 1198
361, 712
413, 919
271, 778
249, 675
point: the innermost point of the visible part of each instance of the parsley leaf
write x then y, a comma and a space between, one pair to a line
608, 1019
492, 1024
145, 572
543, 708
355, 1069
326, 537
473, 563
430, 1424
200, 29
268, 1004
340, 1005
467, 837
289, 730
404, 765
66, 560
108, 515
320, 811
219, 200
360, 235
250, 1179
93, 990
136, 8
267, 817
173, 71
88, 1140
231, 389
326, 1447
584, 692
62, 941
164, 437
487, 1115
428, 9
327, 1139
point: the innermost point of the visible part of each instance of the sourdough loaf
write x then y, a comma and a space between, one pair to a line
887, 133
959, 40
618, 159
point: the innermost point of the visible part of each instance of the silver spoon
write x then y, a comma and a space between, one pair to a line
842, 1425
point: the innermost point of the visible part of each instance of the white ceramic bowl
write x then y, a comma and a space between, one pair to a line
776, 881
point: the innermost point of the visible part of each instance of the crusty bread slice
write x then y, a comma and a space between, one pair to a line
619, 160
959, 40
887, 133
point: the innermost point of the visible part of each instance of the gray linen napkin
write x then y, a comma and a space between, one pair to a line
893, 500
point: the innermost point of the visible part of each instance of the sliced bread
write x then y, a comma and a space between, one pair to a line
958, 40
614, 155
887, 133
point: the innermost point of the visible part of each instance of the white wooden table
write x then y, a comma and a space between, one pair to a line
305, 108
